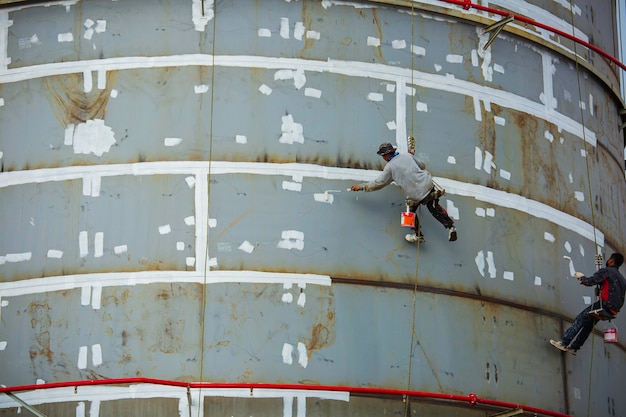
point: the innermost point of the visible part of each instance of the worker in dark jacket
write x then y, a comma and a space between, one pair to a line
410, 174
612, 287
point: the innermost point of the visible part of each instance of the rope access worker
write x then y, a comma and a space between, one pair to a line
410, 174
611, 299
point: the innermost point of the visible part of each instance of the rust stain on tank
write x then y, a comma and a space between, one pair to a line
40, 321
323, 331
378, 50
71, 104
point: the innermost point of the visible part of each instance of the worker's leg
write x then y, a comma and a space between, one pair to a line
580, 329
439, 213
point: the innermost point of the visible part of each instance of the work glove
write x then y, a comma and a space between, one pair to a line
579, 275
355, 187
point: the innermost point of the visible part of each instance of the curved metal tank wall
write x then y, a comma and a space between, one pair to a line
174, 206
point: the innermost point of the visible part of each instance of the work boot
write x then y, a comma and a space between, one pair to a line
561, 346
412, 238
452, 234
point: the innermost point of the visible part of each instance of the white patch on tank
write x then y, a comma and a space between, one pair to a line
537, 281
292, 186
500, 121
303, 360
264, 33
480, 262
480, 212
579, 195
454, 58
200, 88
96, 296
93, 137
508, 275
372, 41
190, 220
165, 229
492, 266
452, 210
312, 92
56, 254
302, 299
420, 106
199, 16
87, 81
398, 44
298, 31
98, 245
291, 131
549, 237
287, 298
375, 97
284, 27
120, 249
418, 50
548, 136
567, 247
190, 261
287, 350
241, 139
246, 247
65, 37
82, 357
391, 125
313, 34
3, 345
291, 239
85, 295
264, 89
83, 244
451, 160
172, 141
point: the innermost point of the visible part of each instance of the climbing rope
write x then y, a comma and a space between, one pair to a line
206, 249
411, 144
589, 189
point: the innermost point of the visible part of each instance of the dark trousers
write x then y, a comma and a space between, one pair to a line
579, 331
433, 206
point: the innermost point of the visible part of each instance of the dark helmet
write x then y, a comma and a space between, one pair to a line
385, 148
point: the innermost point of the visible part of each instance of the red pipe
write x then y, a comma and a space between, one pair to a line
467, 4
471, 399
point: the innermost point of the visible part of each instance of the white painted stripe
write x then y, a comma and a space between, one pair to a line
350, 68
67, 282
136, 391
95, 185
479, 192
102, 79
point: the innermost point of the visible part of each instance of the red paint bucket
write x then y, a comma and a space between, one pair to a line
610, 335
407, 219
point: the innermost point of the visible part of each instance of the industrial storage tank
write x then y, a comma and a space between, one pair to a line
177, 237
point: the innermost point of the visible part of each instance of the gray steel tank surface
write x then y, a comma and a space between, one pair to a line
177, 238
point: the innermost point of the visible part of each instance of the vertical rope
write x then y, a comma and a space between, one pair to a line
589, 189
206, 252
417, 254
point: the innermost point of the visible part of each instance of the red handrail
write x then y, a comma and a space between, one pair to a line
467, 4
470, 399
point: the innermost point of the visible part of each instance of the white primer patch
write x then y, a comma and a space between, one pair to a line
505, 174
491, 264
83, 244
1, 102
96, 355
80, 409
489, 164
241, 139
200, 16
567, 247
172, 141
87, 81
391, 125
264, 33
579, 195
498, 68
291, 131
85, 295
212, 222
65, 37
452, 210
375, 97
190, 220
165, 229
118, 250
191, 181
54, 253
96, 296
480, 262
94, 137
451, 160
491, 212
82, 357
190, 261
324, 198
418, 50
286, 353
246, 247
298, 31
284, 27
313, 34
583, 153
420, 106
480, 212
291, 239
200, 88
299, 79
292, 186
548, 136
537, 281
508, 275
398, 44
312, 92
372, 41
98, 245
180, 246
264, 89
454, 59
3, 345
303, 360
500, 121
287, 298
302, 299
586, 299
